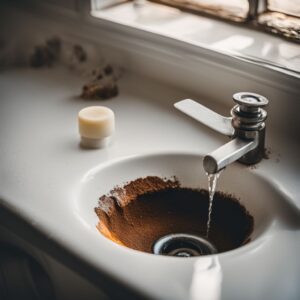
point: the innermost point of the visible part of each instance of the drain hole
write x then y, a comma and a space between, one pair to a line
183, 245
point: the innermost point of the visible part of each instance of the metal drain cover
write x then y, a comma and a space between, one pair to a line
183, 245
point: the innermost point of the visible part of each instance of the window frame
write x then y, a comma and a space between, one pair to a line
255, 19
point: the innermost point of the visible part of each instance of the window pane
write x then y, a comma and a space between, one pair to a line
236, 10
290, 7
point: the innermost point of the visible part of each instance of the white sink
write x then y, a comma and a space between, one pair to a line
263, 201
272, 213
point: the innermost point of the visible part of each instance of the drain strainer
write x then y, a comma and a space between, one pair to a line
183, 245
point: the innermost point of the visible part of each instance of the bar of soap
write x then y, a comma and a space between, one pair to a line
96, 126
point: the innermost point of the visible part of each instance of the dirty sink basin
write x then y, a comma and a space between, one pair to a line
260, 199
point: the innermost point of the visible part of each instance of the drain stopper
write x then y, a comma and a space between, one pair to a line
183, 245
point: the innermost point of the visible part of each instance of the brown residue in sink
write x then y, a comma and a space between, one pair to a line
129, 192
143, 210
103, 86
267, 153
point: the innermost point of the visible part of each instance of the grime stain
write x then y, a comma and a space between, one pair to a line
140, 212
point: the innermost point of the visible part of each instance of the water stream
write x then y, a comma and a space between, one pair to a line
212, 183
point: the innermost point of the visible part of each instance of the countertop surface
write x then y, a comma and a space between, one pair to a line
42, 166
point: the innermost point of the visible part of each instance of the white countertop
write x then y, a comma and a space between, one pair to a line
42, 166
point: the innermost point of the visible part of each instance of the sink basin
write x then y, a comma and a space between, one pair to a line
263, 201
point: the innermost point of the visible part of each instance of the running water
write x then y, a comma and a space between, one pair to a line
212, 183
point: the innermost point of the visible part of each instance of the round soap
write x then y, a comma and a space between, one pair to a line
96, 125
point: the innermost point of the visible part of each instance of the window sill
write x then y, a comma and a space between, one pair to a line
232, 40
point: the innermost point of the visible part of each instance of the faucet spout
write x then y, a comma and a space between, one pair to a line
227, 154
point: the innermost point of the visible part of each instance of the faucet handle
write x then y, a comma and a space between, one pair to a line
250, 102
206, 116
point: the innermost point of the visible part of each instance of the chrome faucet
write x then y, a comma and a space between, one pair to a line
246, 127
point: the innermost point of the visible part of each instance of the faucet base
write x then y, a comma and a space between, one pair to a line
257, 154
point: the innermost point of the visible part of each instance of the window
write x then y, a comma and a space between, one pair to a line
235, 10
276, 16
281, 17
237, 39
